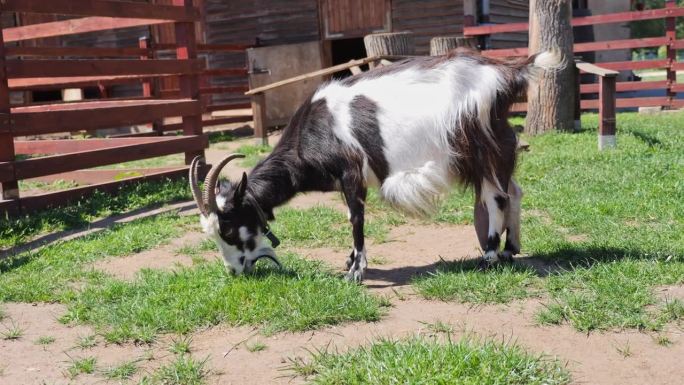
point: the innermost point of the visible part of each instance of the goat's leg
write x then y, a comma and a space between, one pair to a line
355, 195
512, 222
496, 203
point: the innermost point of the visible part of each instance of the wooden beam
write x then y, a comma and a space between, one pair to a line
75, 51
259, 117
60, 198
627, 86
322, 72
66, 146
98, 67
73, 26
36, 167
107, 8
9, 185
595, 69
607, 108
42, 83
37, 120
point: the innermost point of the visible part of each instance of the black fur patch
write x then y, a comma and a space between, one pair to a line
366, 128
493, 242
501, 202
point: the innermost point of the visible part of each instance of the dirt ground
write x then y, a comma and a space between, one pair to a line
596, 358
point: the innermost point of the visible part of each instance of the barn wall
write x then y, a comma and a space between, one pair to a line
509, 11
427, 19
261, 22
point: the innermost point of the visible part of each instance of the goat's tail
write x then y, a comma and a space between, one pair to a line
536, 65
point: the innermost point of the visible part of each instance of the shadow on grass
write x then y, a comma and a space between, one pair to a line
400, 276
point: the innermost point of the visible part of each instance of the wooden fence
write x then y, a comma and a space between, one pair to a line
669, 64
40, 68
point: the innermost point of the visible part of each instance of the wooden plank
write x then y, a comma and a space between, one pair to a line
630, 102
32, 168
225, 72
93, 115
99, 67
259, 116
621, 44
635, 65
223, 90
30, 84
607, 106
73, 26
619, 17
60, 198
626, 86
186, 48
65, 146
9, 185
75, 51
225, 107
210, 122
595, 69
323, 72
678, 87
678, 66
106, 8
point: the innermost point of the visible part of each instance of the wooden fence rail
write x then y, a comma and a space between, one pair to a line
88, 66
670, 87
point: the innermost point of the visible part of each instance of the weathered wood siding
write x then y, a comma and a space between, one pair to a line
256, 22
427, 19
509, 11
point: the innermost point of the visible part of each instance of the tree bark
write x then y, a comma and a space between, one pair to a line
441, 45
398, 43
550, 101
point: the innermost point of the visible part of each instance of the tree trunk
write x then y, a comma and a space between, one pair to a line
441, 45
399, 43
550, 101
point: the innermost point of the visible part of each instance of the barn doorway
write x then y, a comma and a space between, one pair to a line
344, 50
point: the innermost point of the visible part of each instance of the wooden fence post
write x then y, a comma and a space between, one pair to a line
10, 189
186, 48
606, 138
150, 86
578, 100
259, 113
671, 35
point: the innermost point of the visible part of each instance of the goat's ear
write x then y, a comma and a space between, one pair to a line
240, 189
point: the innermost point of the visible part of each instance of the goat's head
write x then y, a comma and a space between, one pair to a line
236, 222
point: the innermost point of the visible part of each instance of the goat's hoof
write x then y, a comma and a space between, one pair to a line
506, 256
350, 260
354, 276
485, 264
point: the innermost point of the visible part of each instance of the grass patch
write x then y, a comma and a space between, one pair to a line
12, 332
610, 219
181, 345
421, 361
220, 136
160, 161
51, 274
322, 226
82, 366
86, 342
57, 185
19, 230
256, 346
300, 297
462, 281
121, 372
45, 340
183, 371
253, 154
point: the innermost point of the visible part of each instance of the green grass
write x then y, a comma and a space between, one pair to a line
82, 366
302, 296
45, 340
121, 372
11, 332
256, 346
253, 154
181, 345
423, 361
183, 371
623, 205
51, 273
87, 342
19, 230
161, 161
322, 226
462, 281
59, 184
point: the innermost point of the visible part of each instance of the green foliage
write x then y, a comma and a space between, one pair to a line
420, 361
183, 371
121, 372
82, 366
253, 154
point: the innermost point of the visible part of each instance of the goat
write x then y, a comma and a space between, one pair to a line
415, 129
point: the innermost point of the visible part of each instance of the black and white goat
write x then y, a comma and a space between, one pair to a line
415, 129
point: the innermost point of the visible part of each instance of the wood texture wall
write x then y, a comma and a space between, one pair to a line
426, 19
509, 11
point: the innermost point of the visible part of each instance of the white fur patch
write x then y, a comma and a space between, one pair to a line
221, 202
418, 111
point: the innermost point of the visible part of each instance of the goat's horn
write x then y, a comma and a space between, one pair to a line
194, 187
210, 182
